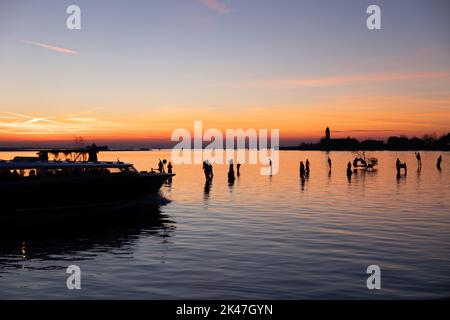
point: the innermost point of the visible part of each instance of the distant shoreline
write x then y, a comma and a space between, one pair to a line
394, 143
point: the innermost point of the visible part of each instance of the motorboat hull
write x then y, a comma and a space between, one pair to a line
76, 194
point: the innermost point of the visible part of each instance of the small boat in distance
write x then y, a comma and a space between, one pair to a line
78, 181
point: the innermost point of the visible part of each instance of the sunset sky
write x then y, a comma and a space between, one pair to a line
137, 70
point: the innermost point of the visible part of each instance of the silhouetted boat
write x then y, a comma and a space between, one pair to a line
31, 185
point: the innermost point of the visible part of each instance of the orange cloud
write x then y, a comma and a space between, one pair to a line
52, 48
216, 5
344, 80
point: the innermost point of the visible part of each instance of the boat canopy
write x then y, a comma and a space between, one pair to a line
73, 154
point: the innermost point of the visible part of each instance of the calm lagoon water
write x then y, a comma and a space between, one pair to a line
263, 237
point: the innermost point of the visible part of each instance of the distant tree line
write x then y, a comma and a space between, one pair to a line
428, 142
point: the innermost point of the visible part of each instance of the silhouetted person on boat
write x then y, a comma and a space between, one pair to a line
349, 169
231, 176
238, 168
419, 159
302, 170
329, 163
15, 174
169, 167
93, 151
400, 165
43, 155
160, 166
439, 161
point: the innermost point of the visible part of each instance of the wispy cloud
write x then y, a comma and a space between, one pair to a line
52, 48
20, 124
216, 5
344, 80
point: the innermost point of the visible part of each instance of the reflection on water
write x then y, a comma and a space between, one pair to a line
207, 189
277, 236
82, 237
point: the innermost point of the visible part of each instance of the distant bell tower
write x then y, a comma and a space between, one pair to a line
327, 134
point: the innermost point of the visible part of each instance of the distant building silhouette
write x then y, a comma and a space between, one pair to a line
428, 142
337, 144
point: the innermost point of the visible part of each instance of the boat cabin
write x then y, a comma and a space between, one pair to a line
64, 163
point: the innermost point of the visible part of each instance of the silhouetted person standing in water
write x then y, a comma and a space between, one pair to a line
231, 176
308, 167
329, 163
439, 161
349, 169
419, 159
169, 167
302, 170
238, 168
